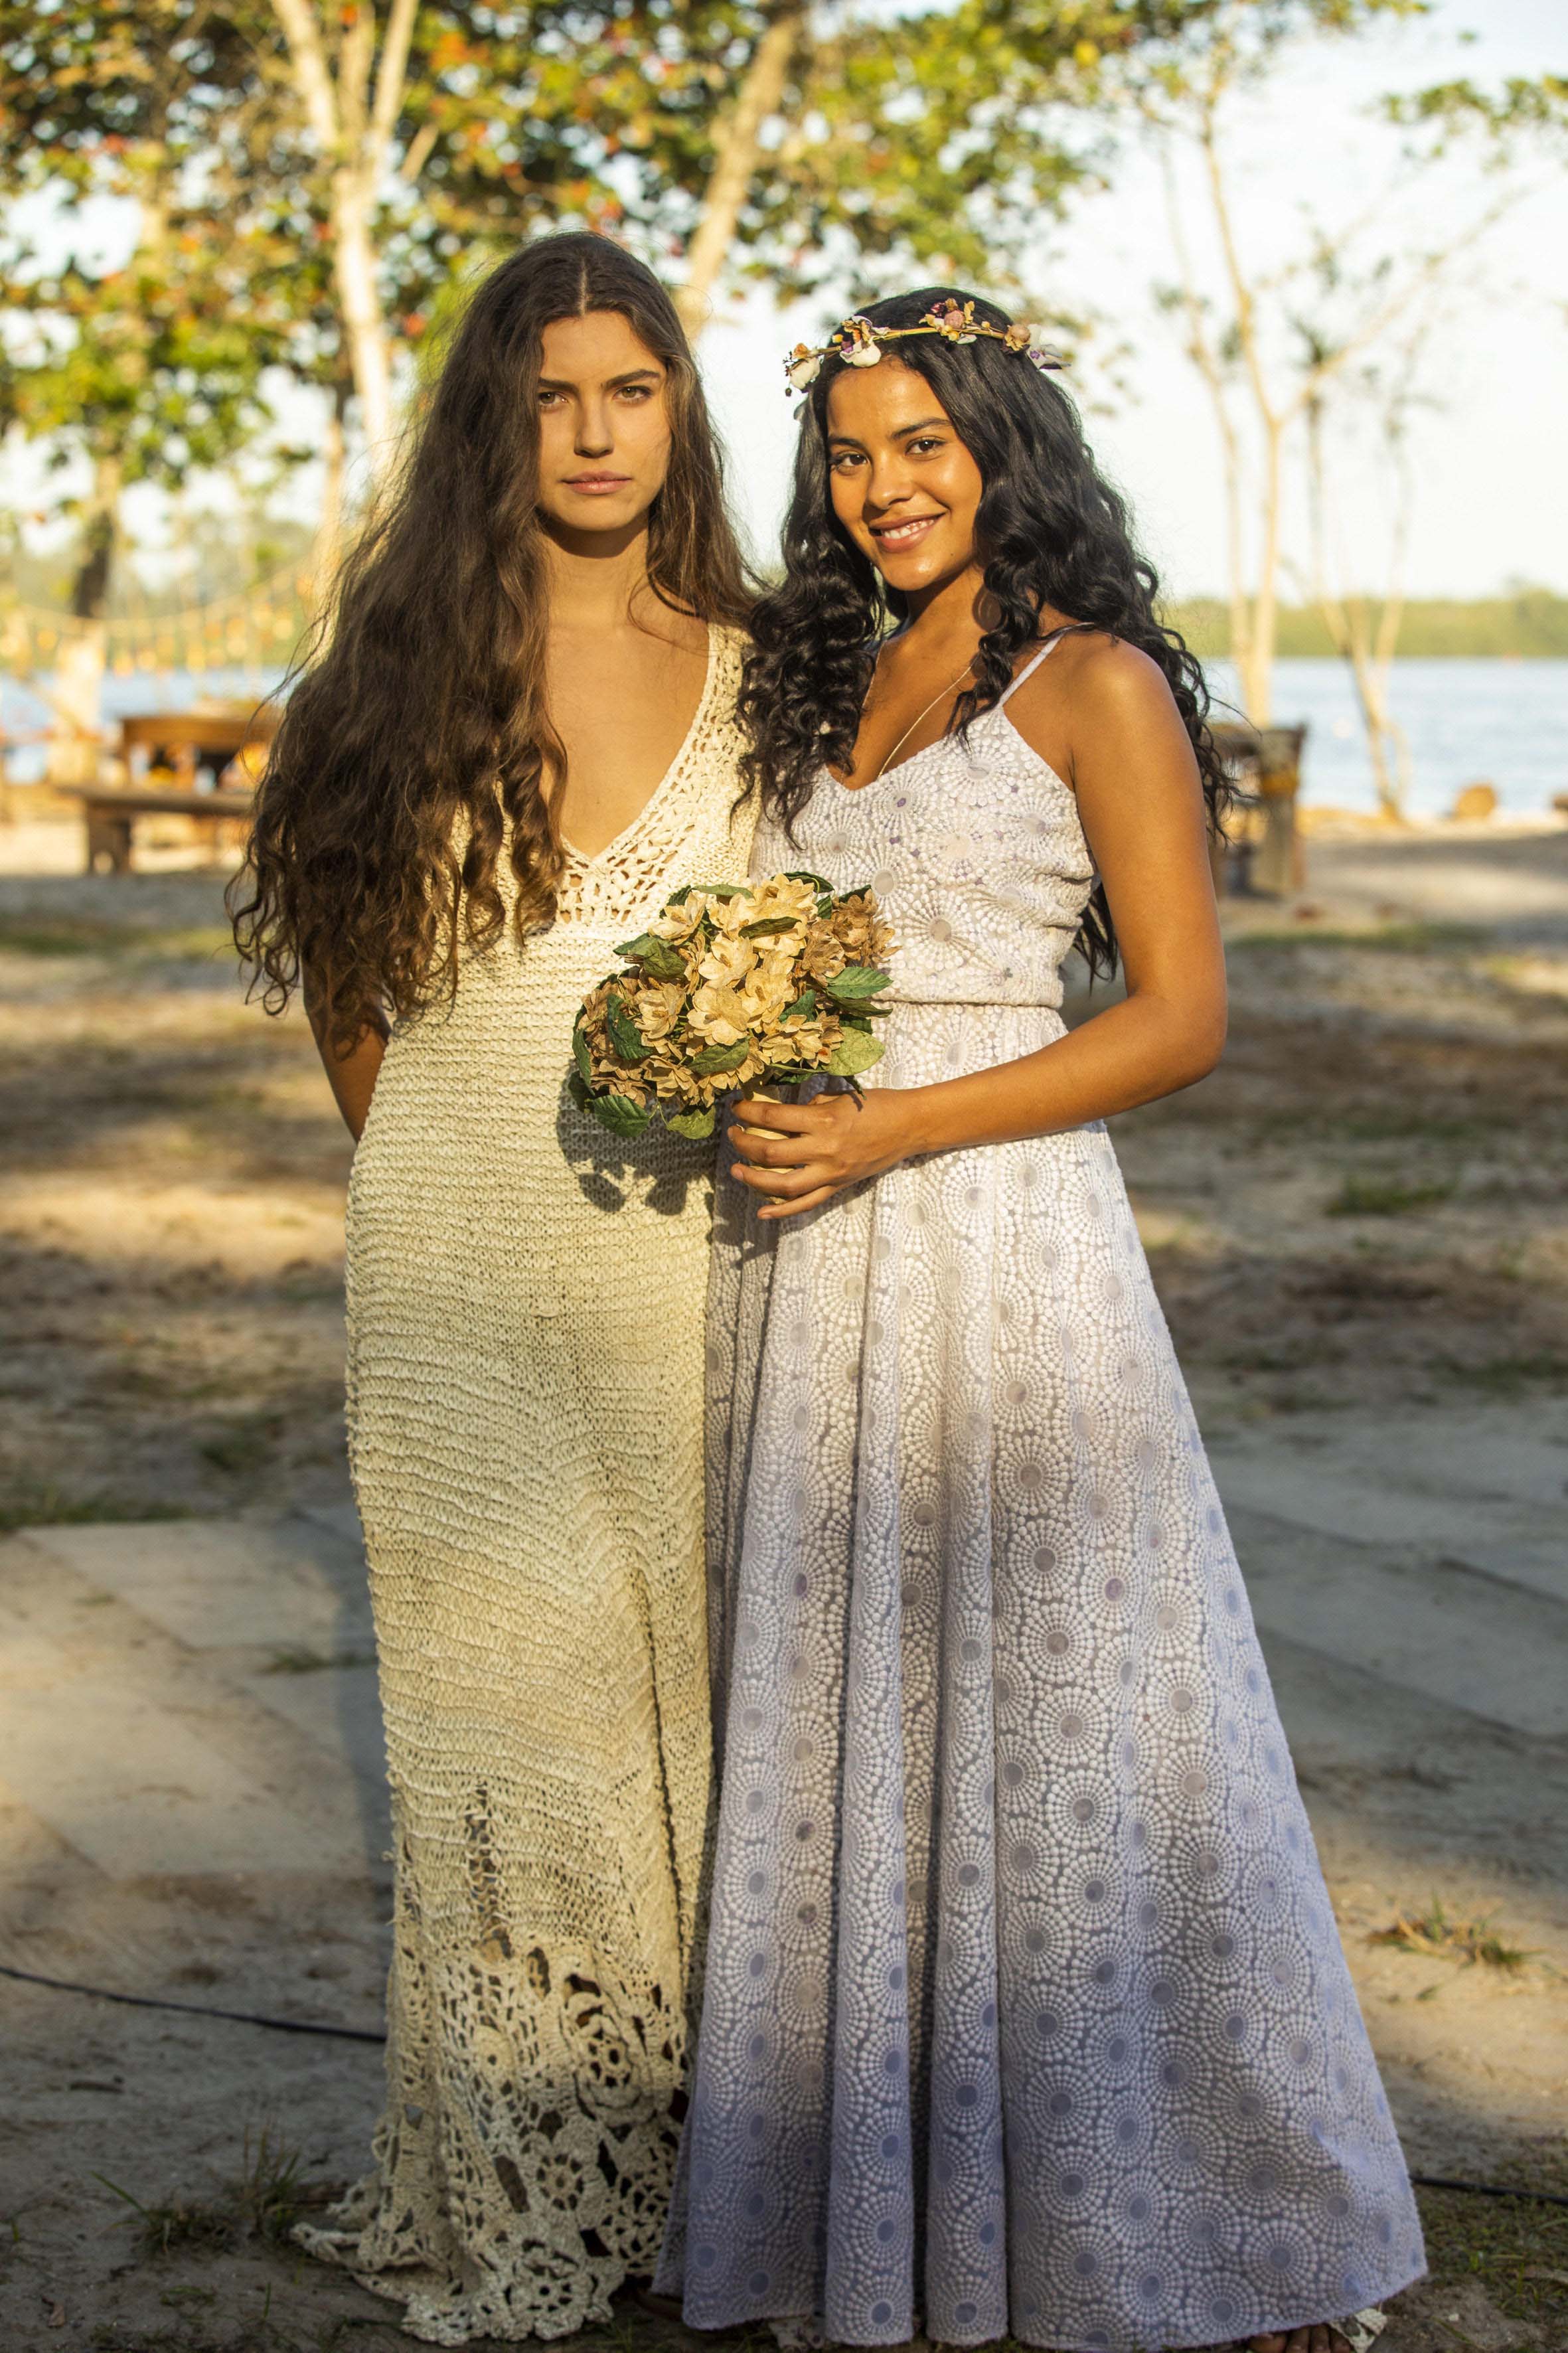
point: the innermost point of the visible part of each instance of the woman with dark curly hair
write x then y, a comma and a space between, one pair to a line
1024, 2010
520, 738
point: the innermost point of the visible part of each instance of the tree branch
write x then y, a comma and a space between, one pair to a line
758, 96
312, 74
389, 81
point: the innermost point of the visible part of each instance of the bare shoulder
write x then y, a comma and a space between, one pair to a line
1096, 694
1098, 674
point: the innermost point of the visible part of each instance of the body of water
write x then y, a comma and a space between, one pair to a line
1468, 722
1500, 723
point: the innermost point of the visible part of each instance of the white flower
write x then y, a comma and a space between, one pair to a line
803, 368
863, 355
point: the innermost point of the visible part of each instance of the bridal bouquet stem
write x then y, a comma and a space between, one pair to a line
734, 985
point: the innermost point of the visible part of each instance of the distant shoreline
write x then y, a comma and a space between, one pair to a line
1530, 627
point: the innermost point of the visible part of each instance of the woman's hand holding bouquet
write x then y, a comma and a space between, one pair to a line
733, 987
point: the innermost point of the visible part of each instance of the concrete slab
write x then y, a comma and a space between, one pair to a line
338, 1710
215, 1584
1431, 1626
1486, 1490
137, 1791
150, 1746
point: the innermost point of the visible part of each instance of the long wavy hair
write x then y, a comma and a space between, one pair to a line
1050, 529
415, 741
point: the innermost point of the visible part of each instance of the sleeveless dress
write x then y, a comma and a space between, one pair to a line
525, 1298
1023, 2009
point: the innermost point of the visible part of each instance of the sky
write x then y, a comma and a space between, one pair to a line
1492, 481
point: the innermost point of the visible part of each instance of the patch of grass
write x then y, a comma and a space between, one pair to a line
164, 2228
1511, 1376
244, 1445
265, 2202
46, 1505
1436, 1937
270, 2197
312, 1662
1388, 939
75, 935
56, 939
1516, 2247
1384, 1196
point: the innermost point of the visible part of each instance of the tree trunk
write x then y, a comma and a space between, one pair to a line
364, 325
1257, 666
759, 96
326, 548
78, 699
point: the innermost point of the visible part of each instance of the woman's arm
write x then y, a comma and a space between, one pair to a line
1131, 764
351, 1075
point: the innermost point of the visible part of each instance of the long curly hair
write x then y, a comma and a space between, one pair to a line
1051, 531
414, 744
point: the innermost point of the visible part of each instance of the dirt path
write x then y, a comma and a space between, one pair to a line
1357, 1230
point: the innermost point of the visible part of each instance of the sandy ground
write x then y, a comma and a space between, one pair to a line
1358, 1228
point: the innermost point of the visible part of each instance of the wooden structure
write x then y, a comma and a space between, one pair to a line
1262, 851
187, 763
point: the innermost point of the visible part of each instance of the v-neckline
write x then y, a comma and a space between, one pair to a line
1052, 640
853, 792
580, 858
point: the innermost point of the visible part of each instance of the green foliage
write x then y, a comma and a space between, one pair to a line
625, 1036
696, 1125
857, 985
655, 956
930, 145
619, 1114
856, 1051
715, 1061
1529, 623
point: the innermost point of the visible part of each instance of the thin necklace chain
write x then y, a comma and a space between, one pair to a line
940, 696
1049, 639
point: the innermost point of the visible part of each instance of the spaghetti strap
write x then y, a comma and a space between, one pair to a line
1049, 646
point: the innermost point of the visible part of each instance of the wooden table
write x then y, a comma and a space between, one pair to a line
164, 756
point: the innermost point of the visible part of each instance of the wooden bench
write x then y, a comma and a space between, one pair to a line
110, 813
166, 758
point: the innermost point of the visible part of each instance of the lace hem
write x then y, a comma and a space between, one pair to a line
524, 2159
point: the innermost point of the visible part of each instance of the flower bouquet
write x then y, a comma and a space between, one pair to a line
734, 985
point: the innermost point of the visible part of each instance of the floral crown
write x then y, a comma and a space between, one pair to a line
858, 342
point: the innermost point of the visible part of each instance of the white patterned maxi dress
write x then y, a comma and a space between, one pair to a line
1024, 2010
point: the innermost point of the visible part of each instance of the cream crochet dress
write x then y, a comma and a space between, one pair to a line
526, 1303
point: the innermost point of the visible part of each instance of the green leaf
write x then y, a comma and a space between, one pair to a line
678, 898
805, 1005
791, 1074
713, 1059
697, 1124
804, 874
580, 1055
580, 1093
856, 1051
619, 1114
724, 890
625, 1036
857, 981
768, 927
655, 956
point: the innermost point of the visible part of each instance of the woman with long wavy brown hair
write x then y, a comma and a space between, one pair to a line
518, 739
